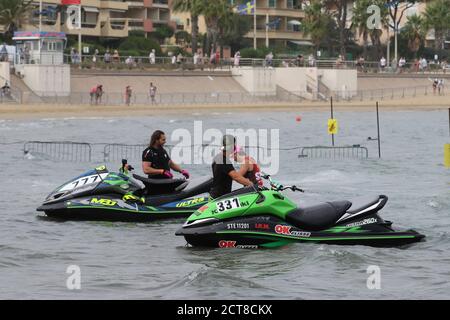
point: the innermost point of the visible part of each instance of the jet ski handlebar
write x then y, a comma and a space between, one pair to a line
279, 187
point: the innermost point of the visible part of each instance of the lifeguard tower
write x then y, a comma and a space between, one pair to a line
39, 61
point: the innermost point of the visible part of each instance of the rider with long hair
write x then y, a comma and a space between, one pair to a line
156, 162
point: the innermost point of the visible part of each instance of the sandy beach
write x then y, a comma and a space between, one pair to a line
36, 111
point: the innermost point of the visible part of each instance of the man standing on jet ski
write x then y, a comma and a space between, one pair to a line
223, 170
156, 162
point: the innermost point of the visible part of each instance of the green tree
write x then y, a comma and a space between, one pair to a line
360, 24
437, 17
135, 44
415, 32
161, 33
316, 23
13, 14
340, 14
232, 28
214, 12
194, 7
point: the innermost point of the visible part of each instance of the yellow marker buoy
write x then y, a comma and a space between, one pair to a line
447, 155
333, 126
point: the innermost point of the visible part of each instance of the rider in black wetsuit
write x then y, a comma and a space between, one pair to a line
156, 162
223, 170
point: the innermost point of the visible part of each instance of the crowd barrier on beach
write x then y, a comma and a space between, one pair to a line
220, 98
82, 151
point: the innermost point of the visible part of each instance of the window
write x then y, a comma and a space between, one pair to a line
272, 3
188, 22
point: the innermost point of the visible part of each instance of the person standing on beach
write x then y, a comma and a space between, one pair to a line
128, 93
152, 92
98, 94
440, 86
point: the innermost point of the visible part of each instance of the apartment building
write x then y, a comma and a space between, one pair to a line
105, 18
284, 18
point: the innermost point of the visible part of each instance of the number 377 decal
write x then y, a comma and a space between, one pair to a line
228, 204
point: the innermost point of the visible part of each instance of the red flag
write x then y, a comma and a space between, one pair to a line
70, 2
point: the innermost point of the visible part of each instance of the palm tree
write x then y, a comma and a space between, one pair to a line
194, 7
437, 16
316, 23
215, 12
360, 23
414, 32
13, 14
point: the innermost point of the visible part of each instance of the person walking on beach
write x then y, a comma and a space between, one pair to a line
435, 84
92, 93
99, 94
152, 93
440, 86
128, 93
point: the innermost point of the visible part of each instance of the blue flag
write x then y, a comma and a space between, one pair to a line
247, 8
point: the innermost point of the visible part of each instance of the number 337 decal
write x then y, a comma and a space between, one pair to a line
228, 204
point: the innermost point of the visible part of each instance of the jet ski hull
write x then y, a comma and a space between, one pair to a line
268, 232
113, 209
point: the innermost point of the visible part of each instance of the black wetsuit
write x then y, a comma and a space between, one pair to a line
222, 182
158, 158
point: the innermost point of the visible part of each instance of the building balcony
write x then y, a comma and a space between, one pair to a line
161, 4
115, 28
290, 13
90, 3
278, 35
135, 4
87, 29
113, 4
135, 24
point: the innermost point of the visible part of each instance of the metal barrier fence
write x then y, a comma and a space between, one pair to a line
344, 152
59, 150
116, 152
204, 98
175, 98
191, 63
82, 152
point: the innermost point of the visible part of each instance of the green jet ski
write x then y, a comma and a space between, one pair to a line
100, 195
259, 217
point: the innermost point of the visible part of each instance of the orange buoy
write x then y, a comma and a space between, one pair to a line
298, 118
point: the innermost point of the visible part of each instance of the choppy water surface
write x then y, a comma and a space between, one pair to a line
146, 261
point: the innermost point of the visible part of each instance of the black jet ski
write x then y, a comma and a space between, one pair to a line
108, 196
256, 217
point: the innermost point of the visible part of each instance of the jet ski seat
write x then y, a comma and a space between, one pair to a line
366, 202
318, 217
161, 186
158, 200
